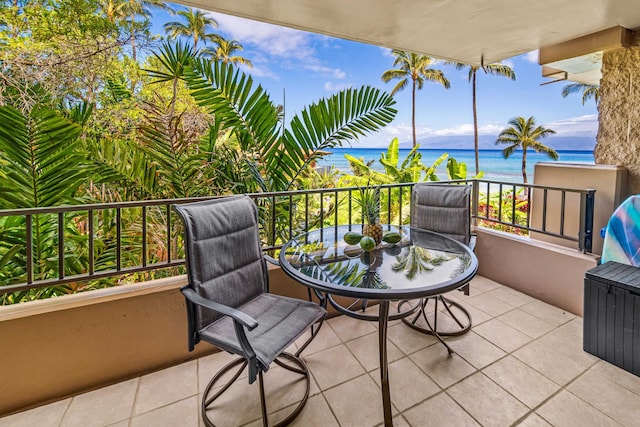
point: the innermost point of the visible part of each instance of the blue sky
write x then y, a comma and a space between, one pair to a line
309, 66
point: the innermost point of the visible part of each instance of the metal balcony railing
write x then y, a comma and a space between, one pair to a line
63, 246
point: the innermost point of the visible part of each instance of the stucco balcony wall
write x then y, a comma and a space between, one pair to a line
56, 348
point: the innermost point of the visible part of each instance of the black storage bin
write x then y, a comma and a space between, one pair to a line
612, 314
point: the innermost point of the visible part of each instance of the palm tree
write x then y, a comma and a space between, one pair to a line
224, 51
275, 158
113, 10
415, 67
495, 69
524, 134
142, 8
196, 27
588, 91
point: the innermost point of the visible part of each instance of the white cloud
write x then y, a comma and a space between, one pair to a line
467, 129
403, 131
271, 39
335, 73
259, 71
532, 56
586, 125
509, 63
335, 87
386, 51
268, 42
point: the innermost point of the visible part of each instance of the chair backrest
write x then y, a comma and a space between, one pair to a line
223, 253
443, 208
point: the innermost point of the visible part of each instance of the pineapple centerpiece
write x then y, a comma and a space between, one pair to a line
370, 206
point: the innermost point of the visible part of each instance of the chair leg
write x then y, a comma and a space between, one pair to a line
296, 365
462, 319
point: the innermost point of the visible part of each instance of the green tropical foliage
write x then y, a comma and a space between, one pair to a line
415, 68
225, 51
524, 134
196, 26
496, 69
36, 151
588, 91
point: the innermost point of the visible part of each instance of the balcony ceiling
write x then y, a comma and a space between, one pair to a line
468, 31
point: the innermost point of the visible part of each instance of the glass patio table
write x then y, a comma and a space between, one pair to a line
422, 264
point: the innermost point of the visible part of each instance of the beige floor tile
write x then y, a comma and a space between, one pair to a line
526, 384
167, 386
486, 401
574, 327
408, 384
442, 368
511, 296
333, 366
566, 410
367, 352
316, 413
439, 411
348, 328
610, 398
326, 338
502, 335
490, 304
183, 413
284, 388
618, 375
481, 284
548, 313
209, 366
477, 316
557, 355
526, 323
398, 421
409, 340
475, 349
356, 403
43, 416
534, 420
238, 405
101, 407
124, 423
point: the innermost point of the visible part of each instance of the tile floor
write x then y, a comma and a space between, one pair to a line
521, 364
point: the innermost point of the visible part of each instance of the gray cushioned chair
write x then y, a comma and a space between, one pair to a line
228, 304
445, 209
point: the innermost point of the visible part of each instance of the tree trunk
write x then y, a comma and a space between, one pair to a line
413, 112
475, 123
524, 164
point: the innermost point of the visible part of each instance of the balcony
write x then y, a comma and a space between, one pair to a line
521, 363
117, 356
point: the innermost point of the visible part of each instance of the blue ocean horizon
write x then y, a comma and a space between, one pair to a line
492, 163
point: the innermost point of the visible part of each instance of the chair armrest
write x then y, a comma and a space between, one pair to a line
472, 242
237, 315
271, 259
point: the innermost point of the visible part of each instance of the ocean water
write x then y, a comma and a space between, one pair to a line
494, 166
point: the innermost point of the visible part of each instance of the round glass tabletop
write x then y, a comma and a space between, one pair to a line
422, 263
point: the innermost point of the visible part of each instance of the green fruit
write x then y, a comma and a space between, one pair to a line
352, 237
391, 237
367, 243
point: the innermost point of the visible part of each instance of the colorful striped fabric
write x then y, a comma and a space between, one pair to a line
622, 236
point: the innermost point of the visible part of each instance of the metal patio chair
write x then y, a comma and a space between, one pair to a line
445, 209
228, 299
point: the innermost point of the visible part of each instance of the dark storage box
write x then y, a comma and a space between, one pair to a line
612, 314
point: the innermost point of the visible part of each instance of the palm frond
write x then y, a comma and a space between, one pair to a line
343, 117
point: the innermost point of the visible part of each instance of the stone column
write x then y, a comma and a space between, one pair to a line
618, 140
